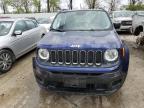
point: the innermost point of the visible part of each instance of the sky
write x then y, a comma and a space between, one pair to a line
77, 4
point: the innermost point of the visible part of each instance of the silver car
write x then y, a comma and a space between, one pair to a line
17, 37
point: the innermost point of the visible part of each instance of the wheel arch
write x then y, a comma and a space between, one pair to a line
9, 49
138, 30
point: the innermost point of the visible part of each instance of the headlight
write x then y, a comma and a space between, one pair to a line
117, 21
43, 54
111, 55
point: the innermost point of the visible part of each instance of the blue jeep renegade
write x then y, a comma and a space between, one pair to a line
81, 53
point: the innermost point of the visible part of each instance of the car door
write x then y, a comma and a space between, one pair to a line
21, 43
34, 33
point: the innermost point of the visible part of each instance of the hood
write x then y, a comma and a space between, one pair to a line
83, 39
123, 19
47, 26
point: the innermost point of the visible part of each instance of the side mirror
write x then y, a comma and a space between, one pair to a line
110, 16
18, 32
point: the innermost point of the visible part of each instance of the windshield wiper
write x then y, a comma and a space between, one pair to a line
59, 30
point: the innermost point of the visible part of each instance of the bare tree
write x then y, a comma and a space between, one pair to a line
92, 4
16, 4
3, 5
140, 1
27, 4
37, 4
133, 2
113, 4
52, 5
71, 4
48, 5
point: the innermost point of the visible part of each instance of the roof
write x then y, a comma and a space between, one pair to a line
99, 9
12, 19
123, 11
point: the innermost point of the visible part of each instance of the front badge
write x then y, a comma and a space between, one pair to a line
75, 46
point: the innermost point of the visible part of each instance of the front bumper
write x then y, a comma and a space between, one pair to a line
78, 82
120, 27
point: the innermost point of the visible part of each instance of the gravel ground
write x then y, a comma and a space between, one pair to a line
18, 88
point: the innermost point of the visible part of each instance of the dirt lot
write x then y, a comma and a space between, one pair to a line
18, 88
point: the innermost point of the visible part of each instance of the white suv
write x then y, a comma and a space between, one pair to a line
122, 20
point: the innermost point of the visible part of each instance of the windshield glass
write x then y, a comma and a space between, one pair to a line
123, 14
140, 12
5, 27
82, 20
44, 21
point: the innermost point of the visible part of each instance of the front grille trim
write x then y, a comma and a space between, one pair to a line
90, 64
51, 56
126, 23
82, 63
58, 56
67, 63
99, 63
75, 63
82, 57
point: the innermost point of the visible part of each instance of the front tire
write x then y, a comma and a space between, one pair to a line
6, 60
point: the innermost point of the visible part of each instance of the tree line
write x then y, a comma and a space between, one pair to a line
135, 5
25, 6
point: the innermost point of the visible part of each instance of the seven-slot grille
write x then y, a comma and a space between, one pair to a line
76, 57
126, 23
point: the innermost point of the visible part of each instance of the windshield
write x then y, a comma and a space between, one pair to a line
140, 12
123, 14
5, 27
44, 21
82, 20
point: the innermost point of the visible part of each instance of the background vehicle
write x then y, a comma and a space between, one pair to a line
81, 53
17, 37
32, 18
122, 20
45, 22
3, 17
137, 26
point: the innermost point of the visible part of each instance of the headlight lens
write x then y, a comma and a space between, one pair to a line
43, 54
117, 21
111, 55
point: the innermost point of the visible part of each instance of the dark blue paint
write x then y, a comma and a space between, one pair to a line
87, 40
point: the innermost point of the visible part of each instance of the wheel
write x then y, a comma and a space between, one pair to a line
6, 60
138, 42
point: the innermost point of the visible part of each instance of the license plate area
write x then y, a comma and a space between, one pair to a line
75, 83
